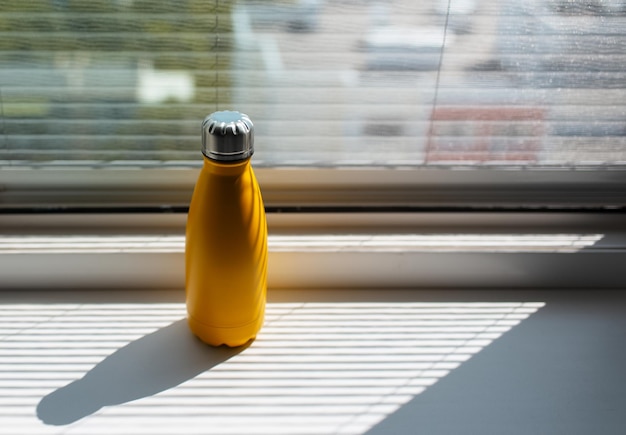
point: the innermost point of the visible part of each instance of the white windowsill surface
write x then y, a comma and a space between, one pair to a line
326, 362
94, 338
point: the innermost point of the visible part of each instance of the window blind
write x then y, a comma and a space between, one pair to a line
330, 83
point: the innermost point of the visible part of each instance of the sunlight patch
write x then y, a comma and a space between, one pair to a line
315, 367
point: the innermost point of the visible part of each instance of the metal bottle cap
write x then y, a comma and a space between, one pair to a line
227, 136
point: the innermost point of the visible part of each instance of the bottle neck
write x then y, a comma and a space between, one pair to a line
226, 168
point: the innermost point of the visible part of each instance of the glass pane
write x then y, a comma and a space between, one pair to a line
352, 82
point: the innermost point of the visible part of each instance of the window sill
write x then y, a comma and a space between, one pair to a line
353, 362
377, 250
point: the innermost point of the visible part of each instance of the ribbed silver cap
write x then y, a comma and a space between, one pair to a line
227, 136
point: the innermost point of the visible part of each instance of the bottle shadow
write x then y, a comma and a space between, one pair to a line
152, 364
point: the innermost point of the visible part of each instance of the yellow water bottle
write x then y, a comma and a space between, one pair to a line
226, 239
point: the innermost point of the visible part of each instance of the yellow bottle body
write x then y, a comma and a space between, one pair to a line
226, 255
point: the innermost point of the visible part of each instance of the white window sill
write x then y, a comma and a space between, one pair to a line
343, 350
403, 250
326, 362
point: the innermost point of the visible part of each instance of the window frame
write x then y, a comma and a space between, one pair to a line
291, 188
143, 196
325, 201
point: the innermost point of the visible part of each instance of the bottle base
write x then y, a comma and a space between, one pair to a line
228, 336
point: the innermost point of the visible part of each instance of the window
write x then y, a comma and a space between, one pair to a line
117, 89
359, 105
